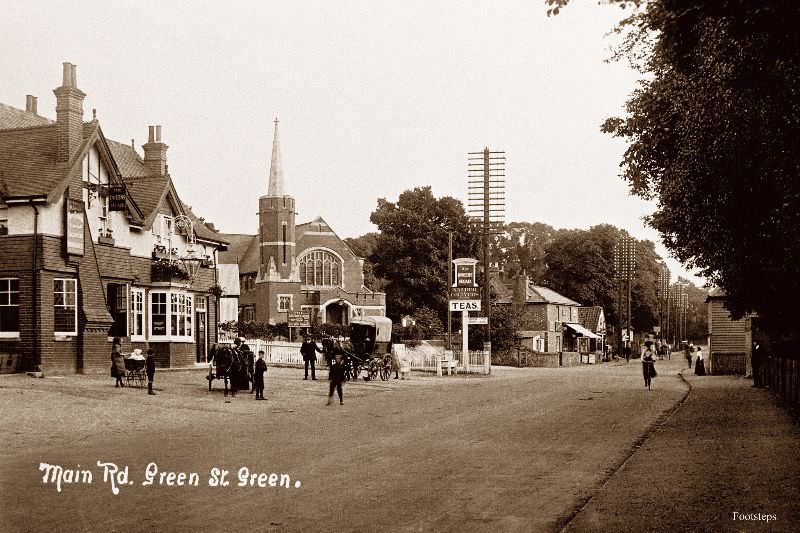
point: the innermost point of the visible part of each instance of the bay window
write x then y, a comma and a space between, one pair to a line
137, 314
171, 316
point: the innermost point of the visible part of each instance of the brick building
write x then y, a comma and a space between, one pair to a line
95, 243
296, 267
550, 321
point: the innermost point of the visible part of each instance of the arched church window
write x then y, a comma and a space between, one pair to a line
320, 268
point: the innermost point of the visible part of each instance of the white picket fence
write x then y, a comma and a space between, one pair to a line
423, 357
427, 358
276, 351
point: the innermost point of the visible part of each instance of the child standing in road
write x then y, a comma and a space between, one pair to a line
150, 368
258, 377
336, 376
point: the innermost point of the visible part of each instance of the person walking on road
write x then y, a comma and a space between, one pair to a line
117, 362
150, 369
336, 376
687, 352
258, 377
648, 364
699, 365
309, 351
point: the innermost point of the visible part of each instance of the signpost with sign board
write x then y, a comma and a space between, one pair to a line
299, 319
117, 198
465, 296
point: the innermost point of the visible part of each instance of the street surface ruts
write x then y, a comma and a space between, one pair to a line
518, 451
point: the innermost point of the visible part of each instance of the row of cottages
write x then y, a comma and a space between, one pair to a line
553, 323
294, 268
96, 244
729, 341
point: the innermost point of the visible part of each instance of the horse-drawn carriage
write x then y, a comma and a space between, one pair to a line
369, 348
228, 363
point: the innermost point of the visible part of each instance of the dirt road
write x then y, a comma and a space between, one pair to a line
518, 451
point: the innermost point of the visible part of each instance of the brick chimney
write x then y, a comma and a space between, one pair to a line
69, 114
155, 152
31, 104
521, 289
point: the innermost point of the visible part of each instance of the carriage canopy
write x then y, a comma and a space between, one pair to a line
379, 328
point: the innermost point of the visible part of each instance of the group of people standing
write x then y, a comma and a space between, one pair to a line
652, 350
690, 351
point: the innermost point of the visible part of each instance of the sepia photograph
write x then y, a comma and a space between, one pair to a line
400, 266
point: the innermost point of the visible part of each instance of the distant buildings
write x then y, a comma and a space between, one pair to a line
96, 244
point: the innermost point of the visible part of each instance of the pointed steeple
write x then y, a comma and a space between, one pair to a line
275, 187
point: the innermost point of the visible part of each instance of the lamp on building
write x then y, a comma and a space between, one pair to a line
192, 260
191, 263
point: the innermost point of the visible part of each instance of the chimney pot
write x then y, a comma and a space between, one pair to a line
28, 102
35, 102
151, 134
158, 134
73, 71
67, 75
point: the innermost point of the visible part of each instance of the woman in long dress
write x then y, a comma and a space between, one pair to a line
699, 365
648, 363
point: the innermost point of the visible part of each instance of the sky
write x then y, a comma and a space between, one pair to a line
373, 98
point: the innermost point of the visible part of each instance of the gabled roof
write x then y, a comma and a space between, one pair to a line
130, 164
537, 294
242, 250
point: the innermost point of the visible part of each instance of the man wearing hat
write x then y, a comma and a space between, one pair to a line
308, 350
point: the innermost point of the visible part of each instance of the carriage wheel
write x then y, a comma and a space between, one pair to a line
373, 370
355, 370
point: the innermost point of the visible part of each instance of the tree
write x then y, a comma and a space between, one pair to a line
522, 248
714, 135
411, 251
363, 246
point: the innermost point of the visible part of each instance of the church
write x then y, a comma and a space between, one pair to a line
290, 268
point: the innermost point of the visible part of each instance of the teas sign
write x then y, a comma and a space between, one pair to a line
464, 269
465, 305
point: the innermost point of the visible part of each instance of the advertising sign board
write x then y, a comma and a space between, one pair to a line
465, 305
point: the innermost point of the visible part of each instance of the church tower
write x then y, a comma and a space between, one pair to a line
276, 224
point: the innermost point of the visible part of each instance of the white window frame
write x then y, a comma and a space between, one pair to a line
5, 295
138, 315
74, 293
281, 308
183, 308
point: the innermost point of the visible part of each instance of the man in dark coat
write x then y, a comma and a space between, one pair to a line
258, 378
309, 351
336, 376
150, 368
757, 360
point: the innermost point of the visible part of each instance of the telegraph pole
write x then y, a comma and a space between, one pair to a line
625, 266
663, 301
486, 202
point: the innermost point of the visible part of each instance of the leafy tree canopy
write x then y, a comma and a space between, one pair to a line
714, 135
411, 251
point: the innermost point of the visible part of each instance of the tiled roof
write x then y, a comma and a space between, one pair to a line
147, 192
589, 317
28, 165
129, 162
12, 118
202, 231
242, 249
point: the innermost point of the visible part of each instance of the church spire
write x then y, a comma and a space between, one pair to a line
275, 187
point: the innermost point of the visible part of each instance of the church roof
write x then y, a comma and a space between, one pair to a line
242, 250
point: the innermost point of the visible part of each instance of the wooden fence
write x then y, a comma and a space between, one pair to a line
782, 376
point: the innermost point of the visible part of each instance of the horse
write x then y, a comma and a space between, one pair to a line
231, 364
352, 364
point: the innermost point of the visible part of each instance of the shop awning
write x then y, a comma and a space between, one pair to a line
580, 330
